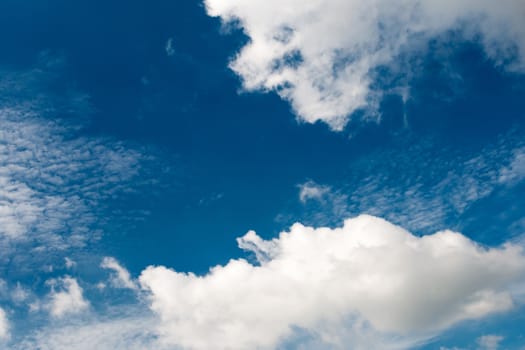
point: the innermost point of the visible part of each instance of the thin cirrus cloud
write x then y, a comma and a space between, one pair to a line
321, 56
367, 276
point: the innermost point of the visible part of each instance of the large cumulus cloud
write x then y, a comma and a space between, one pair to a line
367, 276
320, 55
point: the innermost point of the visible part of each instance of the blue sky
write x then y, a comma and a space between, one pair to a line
224, 174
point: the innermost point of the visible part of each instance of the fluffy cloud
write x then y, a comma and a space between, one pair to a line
121, 277
321, 56
68, 299
367, 276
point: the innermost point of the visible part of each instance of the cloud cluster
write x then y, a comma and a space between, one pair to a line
412, 186
48, 178
56, 182
368, 275
59, 187
321, 56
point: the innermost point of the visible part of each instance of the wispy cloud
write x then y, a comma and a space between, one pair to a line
49, 177
121, 333
121, 277
412, 185
69, 263
515, 171
170, 49
312, 191
66, 297
58, 187
56, 181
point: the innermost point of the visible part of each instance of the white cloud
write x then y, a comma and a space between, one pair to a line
489, 342
410, 185
56, 182
66, 297
311, 190
4, 325
368, 276
48, 179
321, 55
127, 333
121, 277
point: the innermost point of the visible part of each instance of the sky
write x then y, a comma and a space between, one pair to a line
228, 174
